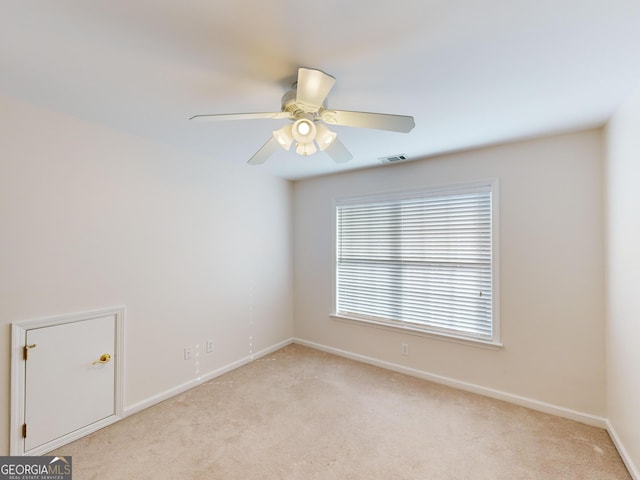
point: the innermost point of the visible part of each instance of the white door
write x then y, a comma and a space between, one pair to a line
69, 380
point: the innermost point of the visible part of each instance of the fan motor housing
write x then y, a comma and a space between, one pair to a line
289, 105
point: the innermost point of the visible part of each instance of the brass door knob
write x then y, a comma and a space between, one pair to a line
105, 358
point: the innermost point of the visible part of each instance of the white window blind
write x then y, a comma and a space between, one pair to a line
421, 260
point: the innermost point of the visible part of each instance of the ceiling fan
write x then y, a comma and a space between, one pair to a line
305, 105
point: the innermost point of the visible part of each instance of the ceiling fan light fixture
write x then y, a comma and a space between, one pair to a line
284, 136
304, 131
303, 128
305, 149
324, 137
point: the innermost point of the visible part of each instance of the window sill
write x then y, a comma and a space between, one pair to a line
392, 326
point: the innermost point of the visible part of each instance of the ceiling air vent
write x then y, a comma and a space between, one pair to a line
393, 158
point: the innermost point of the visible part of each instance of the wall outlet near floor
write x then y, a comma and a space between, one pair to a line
404, 348
188, 353
209, 346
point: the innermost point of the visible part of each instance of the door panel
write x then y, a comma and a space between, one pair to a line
64, 389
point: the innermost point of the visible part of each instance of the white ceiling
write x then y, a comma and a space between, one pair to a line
471, 72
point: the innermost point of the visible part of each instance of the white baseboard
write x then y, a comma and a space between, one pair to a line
172, 392
533, 404
633, 470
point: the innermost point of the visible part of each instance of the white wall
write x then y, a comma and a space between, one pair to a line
194, 248
623, 278
552, 270
92, 218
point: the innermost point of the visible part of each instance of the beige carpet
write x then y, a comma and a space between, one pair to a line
304, 414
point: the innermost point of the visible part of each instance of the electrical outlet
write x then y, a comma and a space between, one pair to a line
404, 348
209, 346
188, 353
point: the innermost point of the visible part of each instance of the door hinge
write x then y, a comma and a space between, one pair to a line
25, 351
24, 430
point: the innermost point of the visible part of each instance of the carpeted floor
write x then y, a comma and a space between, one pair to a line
304, 414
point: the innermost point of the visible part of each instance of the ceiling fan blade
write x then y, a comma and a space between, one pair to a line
338, 152
265, 152
380, 121
312, 89
239, 116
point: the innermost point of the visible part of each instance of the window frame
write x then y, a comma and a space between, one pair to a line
492, 186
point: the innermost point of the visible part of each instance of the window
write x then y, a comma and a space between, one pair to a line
420, 260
